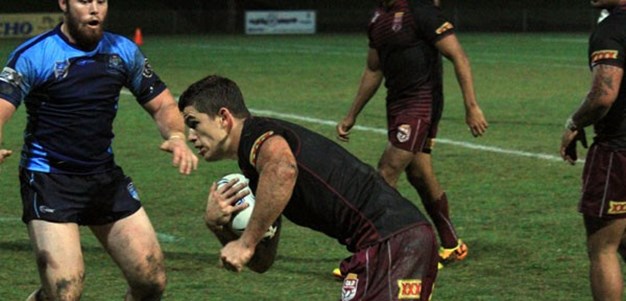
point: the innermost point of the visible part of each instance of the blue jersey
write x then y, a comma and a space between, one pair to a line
71, 98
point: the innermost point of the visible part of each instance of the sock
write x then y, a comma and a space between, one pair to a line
440, 216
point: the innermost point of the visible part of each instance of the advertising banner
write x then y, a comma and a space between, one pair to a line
27, 25
280, 22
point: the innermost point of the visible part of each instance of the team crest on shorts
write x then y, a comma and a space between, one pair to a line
133, 191
397, 21
409, 289
350, 285
404, 132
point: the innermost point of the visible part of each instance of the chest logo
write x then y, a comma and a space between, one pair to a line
61, 69
397, 21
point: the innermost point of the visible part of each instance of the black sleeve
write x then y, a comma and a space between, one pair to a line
606, 46
429, 20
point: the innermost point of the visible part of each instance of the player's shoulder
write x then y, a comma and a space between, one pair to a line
119, 42
35, 46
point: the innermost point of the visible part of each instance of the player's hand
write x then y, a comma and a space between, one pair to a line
221, 203
344, 127
235, 255
475, 120
568, 144
182, 156
4, 153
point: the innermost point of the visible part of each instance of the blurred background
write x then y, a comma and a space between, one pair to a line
228, 16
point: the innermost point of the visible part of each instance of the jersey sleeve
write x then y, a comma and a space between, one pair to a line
606, 47
143, 82
16, 80
429, 21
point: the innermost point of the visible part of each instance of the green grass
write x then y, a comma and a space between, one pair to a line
517, 213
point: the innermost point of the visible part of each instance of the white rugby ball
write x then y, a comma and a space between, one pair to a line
240, 220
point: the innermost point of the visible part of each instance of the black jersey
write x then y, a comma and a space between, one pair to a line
335, 192
404, 36
607, 45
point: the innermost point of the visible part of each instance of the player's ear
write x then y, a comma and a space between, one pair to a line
226, 118
63, 5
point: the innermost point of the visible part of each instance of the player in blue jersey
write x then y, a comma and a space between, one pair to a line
69, 81
315, 183
603, 199
406, 41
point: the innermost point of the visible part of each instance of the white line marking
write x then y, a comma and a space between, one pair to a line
468, 145
439, 140
10, 219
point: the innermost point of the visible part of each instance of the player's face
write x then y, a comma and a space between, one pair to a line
207, 134
605, 3
85, 21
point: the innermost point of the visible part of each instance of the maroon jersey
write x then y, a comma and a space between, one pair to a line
404, 36
607, 45
335, 193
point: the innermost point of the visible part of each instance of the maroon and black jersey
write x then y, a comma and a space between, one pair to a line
404, 36
335, 192
607, 45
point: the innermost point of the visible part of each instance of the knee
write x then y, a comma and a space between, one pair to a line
58, 282
150, 283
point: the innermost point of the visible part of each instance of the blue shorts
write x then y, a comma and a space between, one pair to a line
96, 199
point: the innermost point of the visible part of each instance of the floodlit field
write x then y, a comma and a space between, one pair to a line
513, 200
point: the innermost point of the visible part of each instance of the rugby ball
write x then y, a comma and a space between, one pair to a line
239, 221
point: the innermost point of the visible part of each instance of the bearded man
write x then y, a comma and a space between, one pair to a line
69, 79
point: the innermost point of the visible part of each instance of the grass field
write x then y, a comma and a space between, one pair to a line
513, 201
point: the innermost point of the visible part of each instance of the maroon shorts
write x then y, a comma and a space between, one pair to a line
414, 129
604, 183
404, 267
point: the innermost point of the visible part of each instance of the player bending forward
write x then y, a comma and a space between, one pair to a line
314, 183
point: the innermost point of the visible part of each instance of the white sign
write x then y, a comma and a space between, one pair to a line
280, 22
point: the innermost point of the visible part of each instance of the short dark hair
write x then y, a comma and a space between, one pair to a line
212, 93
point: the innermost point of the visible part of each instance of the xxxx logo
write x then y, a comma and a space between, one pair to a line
409, 289
617, 207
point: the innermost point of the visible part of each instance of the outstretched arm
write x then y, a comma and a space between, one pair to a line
370, 82
164, 111
6, 111
450, 47
606, 80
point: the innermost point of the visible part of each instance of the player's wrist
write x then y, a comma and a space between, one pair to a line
571, 125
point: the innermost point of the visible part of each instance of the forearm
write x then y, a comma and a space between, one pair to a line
164, 111
370, 82
601, 96
465, 79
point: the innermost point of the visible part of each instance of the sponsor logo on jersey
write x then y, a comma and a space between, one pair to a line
397, 21
147, 69
10, 76
443, 28
605, 54
404, 133
257, 144
617, 207
409, 289
61, 69
350, 285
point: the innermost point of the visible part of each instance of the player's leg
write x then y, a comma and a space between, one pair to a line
603, 240
59, 260
133, 245
392, 163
